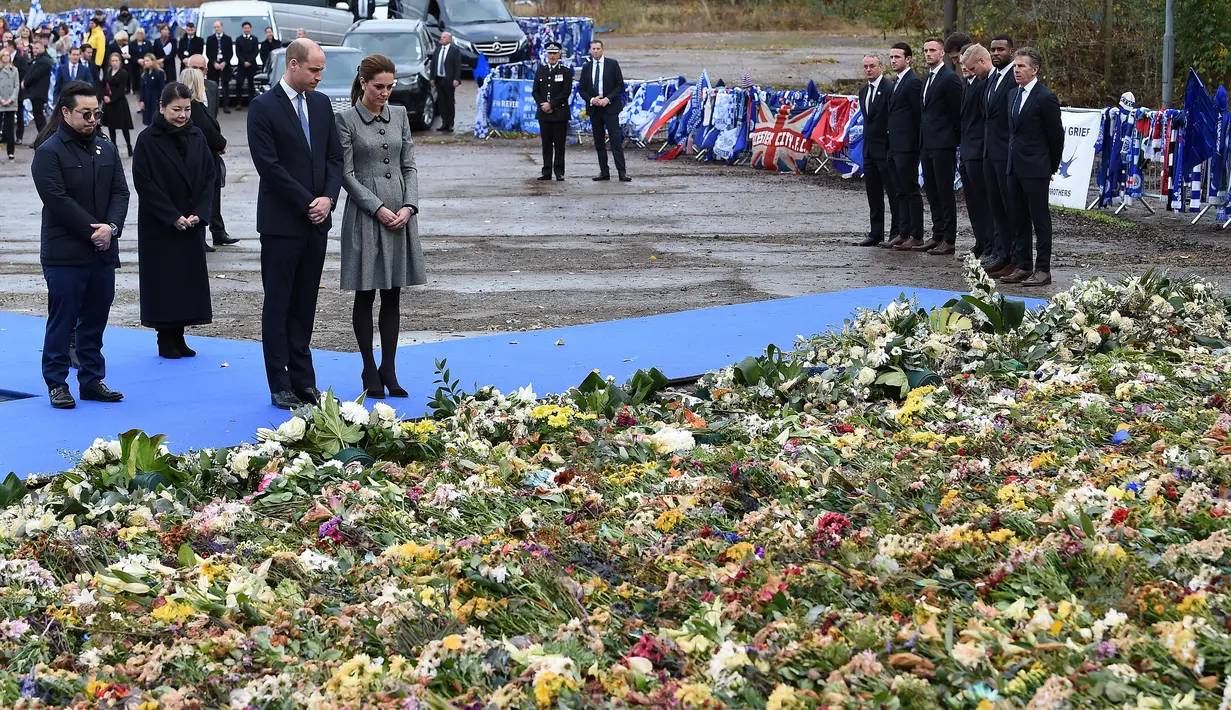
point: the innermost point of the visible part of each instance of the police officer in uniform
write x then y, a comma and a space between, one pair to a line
553, 85
80, 179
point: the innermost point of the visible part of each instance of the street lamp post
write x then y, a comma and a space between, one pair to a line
1168, 54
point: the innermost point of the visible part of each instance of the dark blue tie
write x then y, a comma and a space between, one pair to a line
1017, 103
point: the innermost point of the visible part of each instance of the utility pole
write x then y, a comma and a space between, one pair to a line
951, 16
1168, 54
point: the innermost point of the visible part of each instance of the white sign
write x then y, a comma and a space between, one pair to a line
1070, 185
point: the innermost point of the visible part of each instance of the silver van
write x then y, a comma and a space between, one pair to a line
326, 25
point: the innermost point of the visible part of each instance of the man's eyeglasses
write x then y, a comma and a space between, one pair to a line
88, 114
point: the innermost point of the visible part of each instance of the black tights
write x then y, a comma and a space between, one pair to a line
127, 138
390, 320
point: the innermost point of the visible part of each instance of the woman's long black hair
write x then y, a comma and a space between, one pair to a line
174, 90
72, 91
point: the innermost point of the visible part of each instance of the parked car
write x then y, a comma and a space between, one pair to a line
409, 45
341, 65
478, 27
324, 24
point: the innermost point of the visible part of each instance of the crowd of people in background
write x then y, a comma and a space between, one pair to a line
986, 106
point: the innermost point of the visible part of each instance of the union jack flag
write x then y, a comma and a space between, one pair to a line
779, 140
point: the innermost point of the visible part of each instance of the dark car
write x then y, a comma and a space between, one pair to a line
341, 65
409, 45
477, 26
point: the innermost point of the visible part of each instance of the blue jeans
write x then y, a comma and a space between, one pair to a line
77, 297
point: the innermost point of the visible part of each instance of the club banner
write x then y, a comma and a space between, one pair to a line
778, 139
529, 117
506, 105
1071, 185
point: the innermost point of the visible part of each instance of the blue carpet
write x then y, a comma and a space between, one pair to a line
220, 397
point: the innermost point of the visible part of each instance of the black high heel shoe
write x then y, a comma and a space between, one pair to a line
372, 387
390, 381
167, 347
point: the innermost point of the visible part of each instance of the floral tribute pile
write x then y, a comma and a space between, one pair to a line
977, 507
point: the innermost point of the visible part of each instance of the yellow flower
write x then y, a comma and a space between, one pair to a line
420, 430
1000, 535
668, 520
95, 687
558, 420
984, 705
173, 612
740, 550
1192, 602
412, 552
148, 705
548, 685
452, 642
1043, 460
782, 698
693, 694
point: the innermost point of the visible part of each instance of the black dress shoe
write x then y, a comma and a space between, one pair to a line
625, 178
310, 395
559, 178
168, 349
284, 400
544, 177
389, 379
372, 386
225, 240
182, 346
868, 241
99, 392
601, 178
61, 398
209, 249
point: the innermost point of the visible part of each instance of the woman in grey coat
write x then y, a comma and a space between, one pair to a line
380, 234
10, 90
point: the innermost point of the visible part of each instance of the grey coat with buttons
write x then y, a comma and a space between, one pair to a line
378, 171
10, 87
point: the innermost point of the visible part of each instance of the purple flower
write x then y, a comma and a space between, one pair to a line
1105, 650
28, 686
329, 529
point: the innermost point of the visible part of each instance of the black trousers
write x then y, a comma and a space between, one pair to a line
938, 183
217, 228
905, 167
1028, 208
974, 188
879, 180
603, 124
78, 297
21, 119
245, 75
996, 183
554, 135
38, 107
221, 77
291, 275
446, 101
8, 126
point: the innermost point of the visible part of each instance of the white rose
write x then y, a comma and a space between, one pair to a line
93, 456
383, 415
292, 429
115, 450
354, 413
240, 463
866, 376
670, 439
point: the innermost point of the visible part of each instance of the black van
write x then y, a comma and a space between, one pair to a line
478, 27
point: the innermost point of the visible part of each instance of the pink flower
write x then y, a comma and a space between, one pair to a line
268, 479
829, 530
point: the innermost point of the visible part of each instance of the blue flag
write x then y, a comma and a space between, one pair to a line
1201, 127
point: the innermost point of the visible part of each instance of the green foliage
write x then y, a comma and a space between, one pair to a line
595, 394
1203, 41
331, 432
448, 394
12, 491
776, 370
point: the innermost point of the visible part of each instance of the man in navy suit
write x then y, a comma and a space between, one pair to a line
905, 116
976, 63
939, 137
1036, 145
878, 179
73, 70
295, 146
602, 88
1000, 84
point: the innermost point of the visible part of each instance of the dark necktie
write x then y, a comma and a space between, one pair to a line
928, 85
1017, 103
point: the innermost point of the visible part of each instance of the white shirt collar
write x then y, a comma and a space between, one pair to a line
290, 93
1028, 87
937, 68
875, 83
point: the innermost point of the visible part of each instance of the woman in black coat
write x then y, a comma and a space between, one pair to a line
201, 118
173, 174
116, 113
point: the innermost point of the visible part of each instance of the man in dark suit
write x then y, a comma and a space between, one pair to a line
188, 45
1000, 84
905, 113
363, 9
247, 51
553, 85
602, 88
37, 82
1036, 145
199, 62
977, 65
73, 70
297, 152
878, 178
219, 49
80, 179
939, 137
446, 77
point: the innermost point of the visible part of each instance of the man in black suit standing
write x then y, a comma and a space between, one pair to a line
941, 132
553, 85
1036, 145
446, 77
297, 152
363, 9
904, 119
878, 178
188, 45
219, 49
601, 87
977, 64
1000, 84
247, 49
